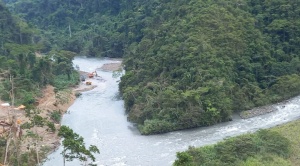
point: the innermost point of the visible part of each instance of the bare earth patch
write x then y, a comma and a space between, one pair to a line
46, 104
111, 66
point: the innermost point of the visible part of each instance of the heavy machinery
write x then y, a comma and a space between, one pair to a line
91, 75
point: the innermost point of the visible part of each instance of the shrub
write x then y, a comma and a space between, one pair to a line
273, 142
51, 126
38, 120
56, 116
264, 147
26, 125
155, 126
183, 158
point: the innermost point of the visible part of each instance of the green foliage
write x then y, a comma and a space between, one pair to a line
287, 83
266, 161
196, 65
51, 126
155, 127
74, 147
79, 27
291, 131
184, 159
27, 80
274, 142
188, 63
37, 120
26, 125
264, 147
56, 116
62, 82
24, 71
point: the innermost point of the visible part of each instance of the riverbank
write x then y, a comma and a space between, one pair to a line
51, 140
48, 104
103, 123
20, 118
263, 109
278, 145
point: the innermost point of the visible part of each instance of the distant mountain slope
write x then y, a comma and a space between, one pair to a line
8, 27
14, 30
87, 27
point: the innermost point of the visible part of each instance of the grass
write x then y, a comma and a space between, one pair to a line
278, 146
291, 131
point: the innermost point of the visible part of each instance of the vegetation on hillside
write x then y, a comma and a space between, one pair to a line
291, 131
262, 148
188, 63
88, 27
23, 73
197, 64
276, 146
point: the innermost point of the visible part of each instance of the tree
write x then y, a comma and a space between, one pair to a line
74, 146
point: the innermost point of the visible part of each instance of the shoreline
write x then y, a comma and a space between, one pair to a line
257, 111
81, 87
46, 105
55, 143
262, 110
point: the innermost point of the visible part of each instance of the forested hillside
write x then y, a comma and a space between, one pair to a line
199, 61
87, 27
188, 63
22, 73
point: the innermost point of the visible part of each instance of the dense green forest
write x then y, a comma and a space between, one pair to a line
198, 64
22, 73
85, 27
188, 63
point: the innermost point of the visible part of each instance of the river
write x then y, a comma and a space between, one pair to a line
99, 116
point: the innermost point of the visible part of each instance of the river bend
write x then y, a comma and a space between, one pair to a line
98, 115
